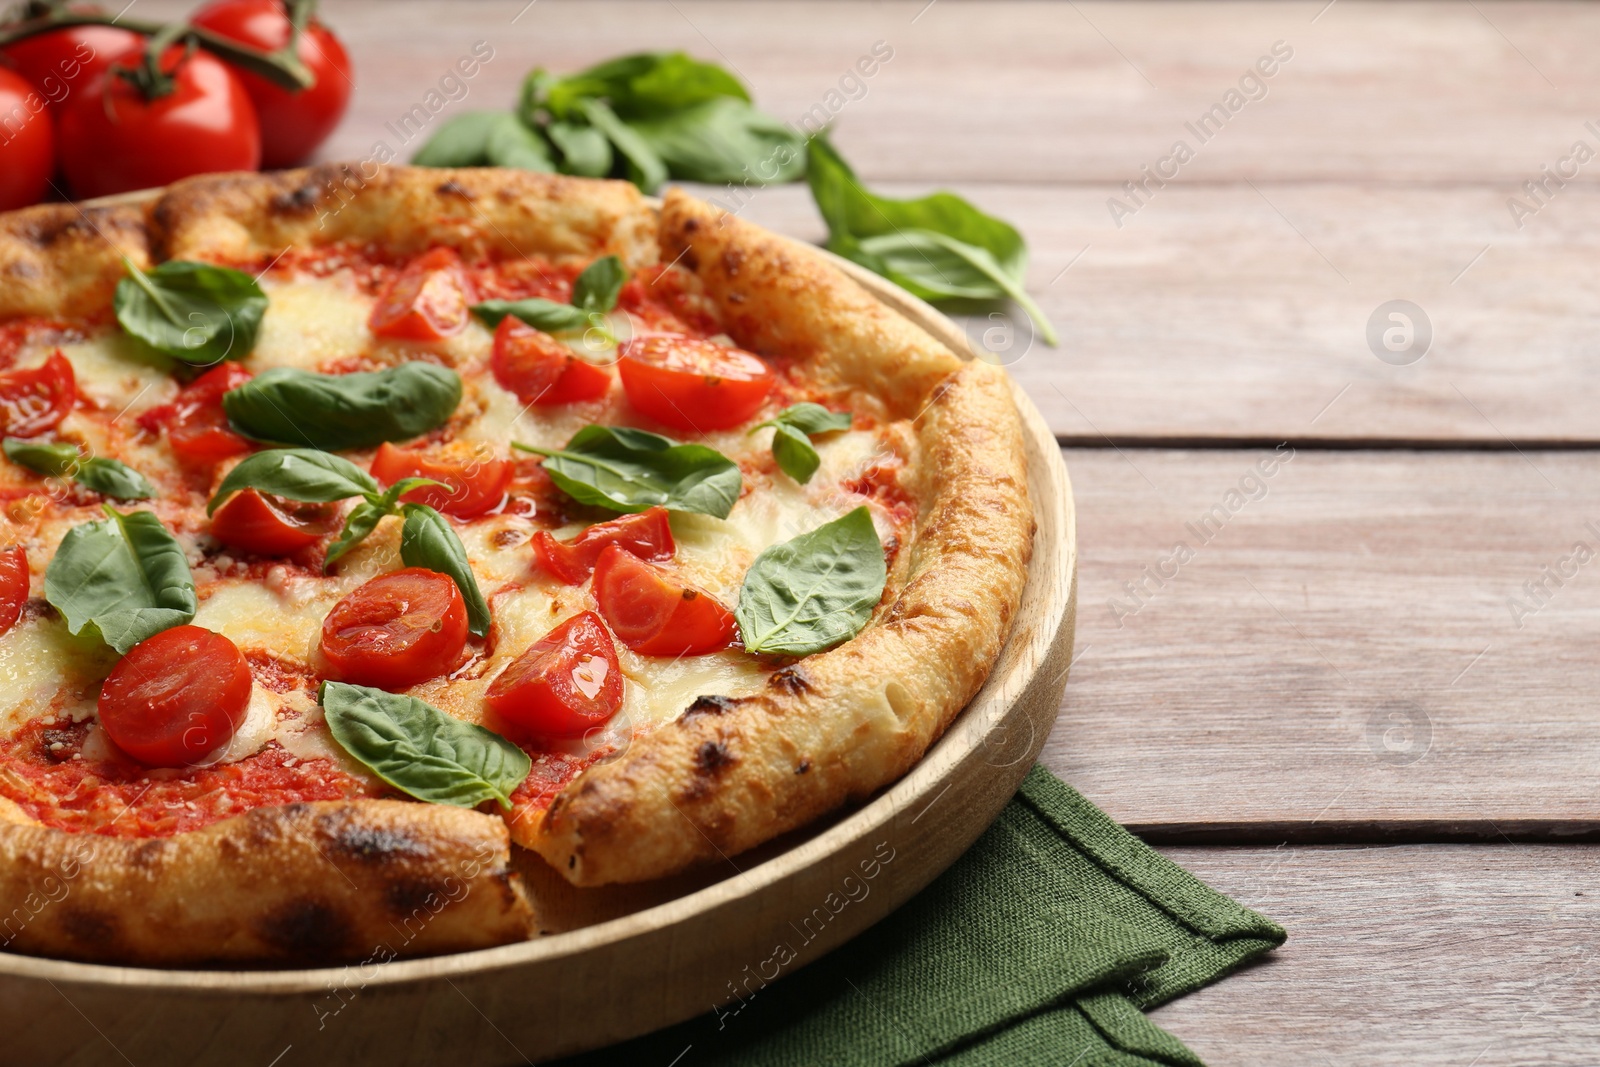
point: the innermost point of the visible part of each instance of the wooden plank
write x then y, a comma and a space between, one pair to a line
1342, 650
1423, 955
1210, 315
1058, 92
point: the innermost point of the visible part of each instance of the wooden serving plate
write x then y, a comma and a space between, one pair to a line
619, 961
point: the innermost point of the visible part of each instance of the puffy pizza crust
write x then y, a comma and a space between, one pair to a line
61, 260
729, 774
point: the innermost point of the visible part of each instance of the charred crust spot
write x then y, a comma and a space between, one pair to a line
88, 926
736, 298
298, 201
805, 765
369, 844
711, 757
305, 929
411, 895
691, 225
454, 188
708, 705
790, 680
149, 854
572, 862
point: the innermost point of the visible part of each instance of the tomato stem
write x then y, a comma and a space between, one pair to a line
282, 67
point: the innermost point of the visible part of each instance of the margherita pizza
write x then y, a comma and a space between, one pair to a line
358, 531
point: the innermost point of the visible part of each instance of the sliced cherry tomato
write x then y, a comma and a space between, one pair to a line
292, 123
398, 629
476, 477
690, 384
13, 586
427, 301
177, 697
540, 369
565, 684
197, 428
115, 139
653, 613
264, 525
35, 400
27, 143
65, 61
646, 535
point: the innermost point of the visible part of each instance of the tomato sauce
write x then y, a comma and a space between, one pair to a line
41, 769
552, 771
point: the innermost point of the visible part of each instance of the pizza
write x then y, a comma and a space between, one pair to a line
366, 536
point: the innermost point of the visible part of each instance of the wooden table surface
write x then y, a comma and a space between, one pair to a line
1332, 708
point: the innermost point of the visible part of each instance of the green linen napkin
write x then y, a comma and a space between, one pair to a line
1042, 945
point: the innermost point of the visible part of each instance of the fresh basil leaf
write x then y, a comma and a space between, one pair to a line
108, 477
461, 142
428, 540
645, 168
420, 750
597, 288
813, 592
511, 144
811, 419
125, 575
584, 149
341, 411
796, 455
361, 521
296, 474
935, 246
641, 84
541, 314
195, 312
625, 469
724, 140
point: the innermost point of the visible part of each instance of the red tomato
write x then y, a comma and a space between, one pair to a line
690, 384
398, 629
13, 586
27, 143
653, 613
114, 140
567, 683
646, 535
265, 525
35, 400
476, 477
293, 123
65, 61
428, 301
197, 428
540, 369
176, 697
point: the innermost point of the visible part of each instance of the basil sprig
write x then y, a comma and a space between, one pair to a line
56, 459
125, 576
420, 750
195, 312
813, 592
334, 412
934, 247
792, 432
594, 292
426, 537
625, 469
647, 117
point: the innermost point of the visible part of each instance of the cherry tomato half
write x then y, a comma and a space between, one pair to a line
653, 613
565, 684
35, 400
264, 525
196, 426
177, 697
13, 586
427, 301
292, 123
476, 477
398, 629
27, 143
64, 61
114, 140
541, 370
646, 535
690, 384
